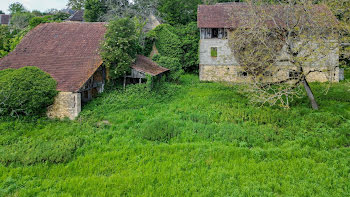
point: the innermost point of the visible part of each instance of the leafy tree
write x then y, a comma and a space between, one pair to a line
16, 8
60, 16
183, 12
21, 20
5, 36
52, 11
37, 13
263, 49
341, 10
1, 12
178, 11
144, 8
94, 9
120, 46
26, 91
76, 4
189, 36
38, 20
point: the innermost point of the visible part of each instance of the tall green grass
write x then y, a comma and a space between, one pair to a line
187, 139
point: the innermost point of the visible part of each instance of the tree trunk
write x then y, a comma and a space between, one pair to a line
310, 94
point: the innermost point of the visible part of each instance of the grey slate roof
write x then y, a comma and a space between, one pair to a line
5, 19
77, 16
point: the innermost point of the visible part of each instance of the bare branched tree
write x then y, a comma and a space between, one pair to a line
282, 46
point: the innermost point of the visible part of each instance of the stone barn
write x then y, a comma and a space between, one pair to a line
217, 61
69, 52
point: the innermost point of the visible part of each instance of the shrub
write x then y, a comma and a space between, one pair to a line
38, 20
25, 91
29, 151
171, 63
94, 9
161, 129
60, 16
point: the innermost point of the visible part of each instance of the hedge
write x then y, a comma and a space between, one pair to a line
25, 91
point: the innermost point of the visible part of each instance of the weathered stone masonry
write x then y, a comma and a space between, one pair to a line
217, 61
67, 104
224, 67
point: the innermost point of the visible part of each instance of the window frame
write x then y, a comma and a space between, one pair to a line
214, 52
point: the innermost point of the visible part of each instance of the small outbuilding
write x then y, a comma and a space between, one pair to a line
142, 67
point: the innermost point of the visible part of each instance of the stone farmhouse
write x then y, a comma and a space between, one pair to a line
217, 61
69, 52
5, 19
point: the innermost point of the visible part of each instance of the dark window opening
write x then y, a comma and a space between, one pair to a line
293, 74
243, 74
210, 33
215, 33
86, 95
267, 74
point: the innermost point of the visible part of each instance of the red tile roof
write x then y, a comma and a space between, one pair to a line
144, 64
4, 19
234, 15
68, 51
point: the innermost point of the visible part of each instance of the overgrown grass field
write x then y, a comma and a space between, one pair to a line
187, 139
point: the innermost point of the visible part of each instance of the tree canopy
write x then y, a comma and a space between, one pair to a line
16, 8
300, 39
120, 46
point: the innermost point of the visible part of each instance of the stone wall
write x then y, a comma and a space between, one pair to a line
225, 67
67, 104
233, 73
224, 57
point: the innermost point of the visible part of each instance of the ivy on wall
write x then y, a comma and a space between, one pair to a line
179, 42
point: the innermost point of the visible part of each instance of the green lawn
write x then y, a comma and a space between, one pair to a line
191, 139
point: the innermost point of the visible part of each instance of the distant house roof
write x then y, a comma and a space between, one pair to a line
234, 15
68, 11
68, 51
77, 16
145, 65
152, 22
4, 19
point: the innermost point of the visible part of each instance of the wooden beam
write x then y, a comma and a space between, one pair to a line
124, 85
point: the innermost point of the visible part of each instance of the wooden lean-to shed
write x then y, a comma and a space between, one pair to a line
142, 67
